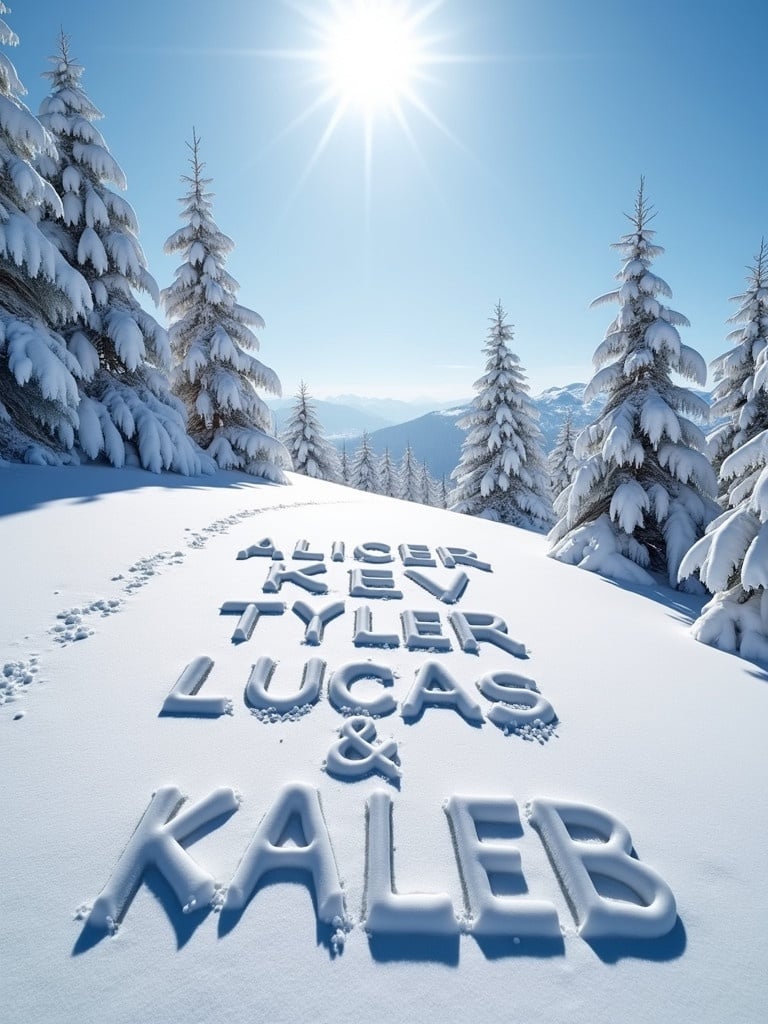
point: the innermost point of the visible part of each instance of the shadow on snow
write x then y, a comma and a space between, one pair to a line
23, 488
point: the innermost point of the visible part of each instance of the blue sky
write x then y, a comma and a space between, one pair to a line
515, 195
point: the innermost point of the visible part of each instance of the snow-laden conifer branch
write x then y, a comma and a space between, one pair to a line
40, 293
732, 558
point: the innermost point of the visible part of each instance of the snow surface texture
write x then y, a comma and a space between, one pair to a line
501, 474
643, 492
213, 841
74, 624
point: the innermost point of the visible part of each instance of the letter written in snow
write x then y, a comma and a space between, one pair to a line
316, 619
451, 557
292, 835
250, 612
304, 577
516, 701
449, 594
387, 911
184, 698
373, 583
650, 910
344, 700
473, 628
259, 695
265, 548
157, 842
481, 859
435, 687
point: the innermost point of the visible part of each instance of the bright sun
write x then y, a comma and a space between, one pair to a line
371, 59
372, 55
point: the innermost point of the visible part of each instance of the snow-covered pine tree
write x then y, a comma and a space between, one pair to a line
439, 493
643, 494
388, 483
732, 557
409, 476
501, 473
562, 462
425, 484
216, 373
125, 396
734, 371
344, 464
39, 290
311, 452
362, 469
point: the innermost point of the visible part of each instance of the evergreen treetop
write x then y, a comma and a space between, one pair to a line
388, 481
363, 473
409, 481
562, 461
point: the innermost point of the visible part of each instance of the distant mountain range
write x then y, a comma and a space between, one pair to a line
435, 436
554, 404
338, 421
347, 416
392, 409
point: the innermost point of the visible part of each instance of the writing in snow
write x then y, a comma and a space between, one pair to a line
515, 706
168, 822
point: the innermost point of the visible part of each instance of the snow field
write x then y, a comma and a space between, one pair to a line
630, 729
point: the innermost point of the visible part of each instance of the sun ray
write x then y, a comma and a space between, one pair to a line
325, 138
420, 158
432, 117
321, 101
368, 172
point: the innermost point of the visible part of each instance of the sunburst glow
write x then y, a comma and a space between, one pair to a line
371, 60
373, 54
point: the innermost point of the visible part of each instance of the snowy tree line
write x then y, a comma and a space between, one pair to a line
314, 455
85, 371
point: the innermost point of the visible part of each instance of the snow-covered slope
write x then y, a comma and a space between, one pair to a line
118, 585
